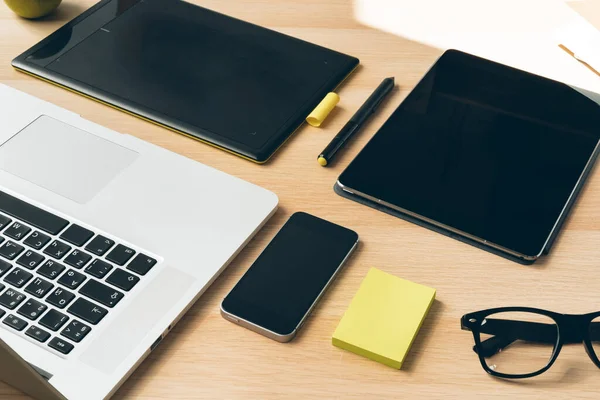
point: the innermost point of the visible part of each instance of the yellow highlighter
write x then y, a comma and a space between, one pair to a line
384, 318
320, 113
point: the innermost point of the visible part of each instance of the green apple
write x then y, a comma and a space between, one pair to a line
32, 8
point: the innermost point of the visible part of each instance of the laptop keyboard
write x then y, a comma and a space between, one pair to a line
59, 280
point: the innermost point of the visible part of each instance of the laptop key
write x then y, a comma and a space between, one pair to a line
71, 279
101, 293
18, 277
4, 267
62, 346
39, 287
32, 215
32, 309
51, 269
57, 249
99, 245
87, 311
98, 268
2, 287
10, 249
4, 221
122, 279
60, 298
2, 312
37, 240
77, 235
76, 331
78, 259
53, 320
15, 322
30, 259
120, 254
11, 298
37, 333
141, 264
17, 231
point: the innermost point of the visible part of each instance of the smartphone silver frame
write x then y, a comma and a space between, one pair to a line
286, 338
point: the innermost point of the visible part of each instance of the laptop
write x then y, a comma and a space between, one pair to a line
106, 241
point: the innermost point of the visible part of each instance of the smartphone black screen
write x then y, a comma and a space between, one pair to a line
290, 274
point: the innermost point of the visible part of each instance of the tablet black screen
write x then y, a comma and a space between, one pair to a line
484, 149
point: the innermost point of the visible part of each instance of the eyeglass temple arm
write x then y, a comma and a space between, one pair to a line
506, 332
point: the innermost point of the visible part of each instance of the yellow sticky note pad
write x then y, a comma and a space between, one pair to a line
384, 318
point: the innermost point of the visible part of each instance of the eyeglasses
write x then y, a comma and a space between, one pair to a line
521, 342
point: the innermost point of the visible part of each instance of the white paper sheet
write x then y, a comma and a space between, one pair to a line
583, 40
520, 33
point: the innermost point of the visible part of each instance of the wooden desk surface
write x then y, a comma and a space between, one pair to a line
206, 357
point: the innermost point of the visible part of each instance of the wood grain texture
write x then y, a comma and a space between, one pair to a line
206, 357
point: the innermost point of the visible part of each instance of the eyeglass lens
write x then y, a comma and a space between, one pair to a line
519, 343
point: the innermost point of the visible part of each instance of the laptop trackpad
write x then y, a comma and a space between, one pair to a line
127, 330
63, 159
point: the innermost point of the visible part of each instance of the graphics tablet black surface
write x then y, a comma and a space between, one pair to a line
482, 152
229, 83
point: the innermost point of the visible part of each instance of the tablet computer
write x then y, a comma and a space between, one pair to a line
227, 82
482, 152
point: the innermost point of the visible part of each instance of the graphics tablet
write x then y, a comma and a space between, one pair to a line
482, 152
229, 83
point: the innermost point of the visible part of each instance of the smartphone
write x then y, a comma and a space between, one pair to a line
280, 289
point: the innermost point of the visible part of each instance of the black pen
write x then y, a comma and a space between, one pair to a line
357, 121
